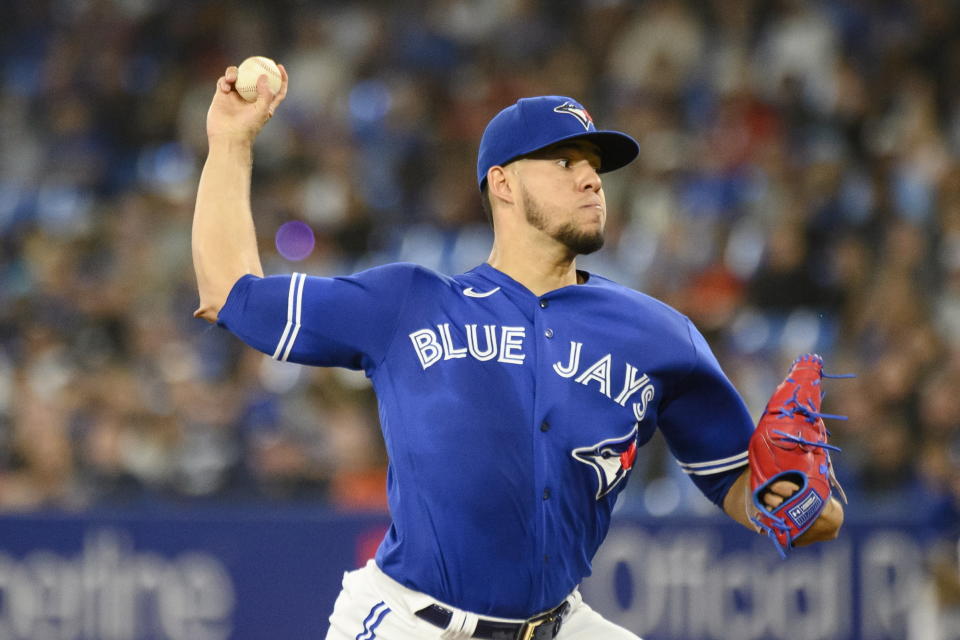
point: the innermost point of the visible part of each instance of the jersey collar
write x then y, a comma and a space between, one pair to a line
503, 280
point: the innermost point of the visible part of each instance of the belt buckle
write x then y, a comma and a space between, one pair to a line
549, 623
529, 630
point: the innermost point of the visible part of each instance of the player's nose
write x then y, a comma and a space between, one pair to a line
590, 178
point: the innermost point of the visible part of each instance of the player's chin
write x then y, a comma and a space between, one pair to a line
595, 224
592, 233
585, 243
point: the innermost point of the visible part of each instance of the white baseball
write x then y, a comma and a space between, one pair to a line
251, 69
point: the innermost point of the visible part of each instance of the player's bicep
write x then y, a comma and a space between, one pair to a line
260, 311
347, 321
707, 425
344, 321
709, 437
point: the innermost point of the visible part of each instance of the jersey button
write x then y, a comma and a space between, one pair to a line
544, 426
544, 304
548, 333
546, 493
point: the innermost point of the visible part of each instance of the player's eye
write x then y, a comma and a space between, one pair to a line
564, 163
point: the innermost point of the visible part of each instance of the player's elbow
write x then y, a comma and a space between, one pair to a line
208, 312
212, 300
213, 295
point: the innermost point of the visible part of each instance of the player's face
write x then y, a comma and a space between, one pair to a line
563, 197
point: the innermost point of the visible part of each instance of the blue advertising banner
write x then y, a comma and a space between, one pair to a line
183, 576
217, 575
715, 581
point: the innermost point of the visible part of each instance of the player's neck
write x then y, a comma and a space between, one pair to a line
539, 270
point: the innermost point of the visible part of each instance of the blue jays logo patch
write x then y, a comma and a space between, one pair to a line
579, 113
611, 459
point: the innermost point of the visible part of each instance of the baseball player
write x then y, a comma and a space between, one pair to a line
512, 398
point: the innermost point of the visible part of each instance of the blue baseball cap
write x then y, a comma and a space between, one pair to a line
534, 123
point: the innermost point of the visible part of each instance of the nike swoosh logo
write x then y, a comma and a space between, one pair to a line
470, 293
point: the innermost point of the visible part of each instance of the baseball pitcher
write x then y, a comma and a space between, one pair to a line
513, 398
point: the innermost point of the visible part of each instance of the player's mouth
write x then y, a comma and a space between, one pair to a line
593, 210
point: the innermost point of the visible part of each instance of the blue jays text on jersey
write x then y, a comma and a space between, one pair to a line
511, 421
430, 350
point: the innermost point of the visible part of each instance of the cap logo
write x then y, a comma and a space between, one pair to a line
579, 113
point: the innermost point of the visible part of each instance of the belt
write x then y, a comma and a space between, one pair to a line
543, 627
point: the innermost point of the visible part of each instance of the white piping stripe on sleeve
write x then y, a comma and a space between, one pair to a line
695, 465
286, 330
708, 472
296, 327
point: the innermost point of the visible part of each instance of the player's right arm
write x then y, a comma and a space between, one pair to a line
224, 239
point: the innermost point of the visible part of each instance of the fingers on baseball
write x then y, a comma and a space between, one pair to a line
283, 82
227, 80
281, 94
778, 492
264, 95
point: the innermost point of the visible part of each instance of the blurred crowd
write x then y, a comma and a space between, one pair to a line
798, 190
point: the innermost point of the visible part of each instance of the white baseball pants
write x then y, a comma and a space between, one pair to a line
374, 606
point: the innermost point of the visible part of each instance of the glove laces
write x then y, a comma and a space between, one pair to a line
810, 413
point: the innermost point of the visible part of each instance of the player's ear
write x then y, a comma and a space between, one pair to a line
498, 185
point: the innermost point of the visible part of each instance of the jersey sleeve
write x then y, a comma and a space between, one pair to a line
706, 424
344, 321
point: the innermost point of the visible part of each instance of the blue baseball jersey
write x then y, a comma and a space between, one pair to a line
511, 421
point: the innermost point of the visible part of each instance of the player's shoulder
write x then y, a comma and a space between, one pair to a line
639, 302
393, 269
408, 274
671, 331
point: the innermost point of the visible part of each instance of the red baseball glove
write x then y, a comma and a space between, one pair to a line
790, 443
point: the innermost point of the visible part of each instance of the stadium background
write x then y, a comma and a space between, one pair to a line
798, 189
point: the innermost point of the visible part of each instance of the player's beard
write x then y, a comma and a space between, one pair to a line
577, 241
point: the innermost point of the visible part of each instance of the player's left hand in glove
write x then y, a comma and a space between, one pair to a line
789, 447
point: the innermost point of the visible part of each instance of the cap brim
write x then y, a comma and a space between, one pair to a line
616, 149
